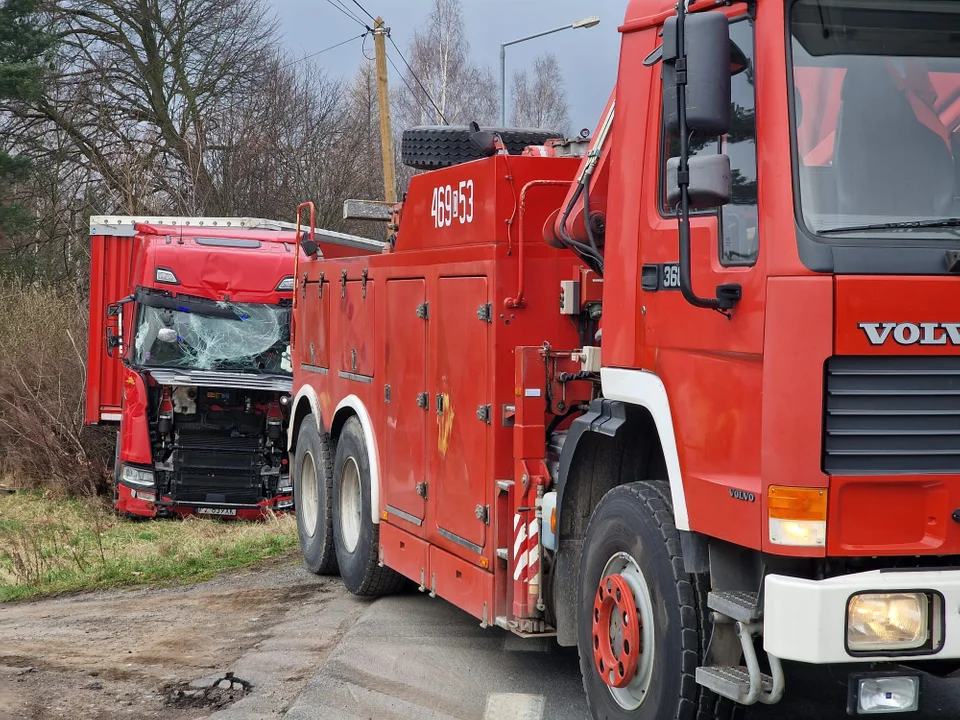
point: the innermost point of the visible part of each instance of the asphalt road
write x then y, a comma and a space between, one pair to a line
413, 657
306, 649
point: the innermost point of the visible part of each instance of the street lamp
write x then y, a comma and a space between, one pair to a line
587, 22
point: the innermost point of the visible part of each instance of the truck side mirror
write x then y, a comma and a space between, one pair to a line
114, 341
707, 74
114, 333
711, 183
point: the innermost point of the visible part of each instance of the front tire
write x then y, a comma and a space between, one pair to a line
355, 536
638, 608
312, 496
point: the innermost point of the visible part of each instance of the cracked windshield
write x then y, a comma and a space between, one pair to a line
244, 338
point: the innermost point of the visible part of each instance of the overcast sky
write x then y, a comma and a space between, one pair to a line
588, 57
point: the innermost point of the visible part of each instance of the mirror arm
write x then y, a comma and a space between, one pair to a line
727, 296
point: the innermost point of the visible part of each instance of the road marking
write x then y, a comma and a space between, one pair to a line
515, 643
514, 706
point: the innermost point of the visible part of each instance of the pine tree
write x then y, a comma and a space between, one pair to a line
23, 45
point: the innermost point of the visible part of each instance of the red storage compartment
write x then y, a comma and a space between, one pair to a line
111, 259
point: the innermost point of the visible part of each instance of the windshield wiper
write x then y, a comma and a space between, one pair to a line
902, 225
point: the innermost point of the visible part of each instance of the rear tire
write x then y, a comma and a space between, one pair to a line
429, 147
356, 538
632, 536
312, 496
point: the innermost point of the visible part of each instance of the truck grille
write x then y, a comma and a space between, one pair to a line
221, 470
892, 415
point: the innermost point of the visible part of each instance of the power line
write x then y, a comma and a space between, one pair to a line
320, 52
414, 74
349, 15
364, 10
405, 82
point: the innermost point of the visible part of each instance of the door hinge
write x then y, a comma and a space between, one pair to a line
423, 401
353, 359
483, 413
320, 286
485, 313
422, 490
423, 311
343, 283
386, 393
303, 288
483, 514
312, 351
439, 403
363, 282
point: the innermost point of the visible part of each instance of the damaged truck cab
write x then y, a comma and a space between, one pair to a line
188, 351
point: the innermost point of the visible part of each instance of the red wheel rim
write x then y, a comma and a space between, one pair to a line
616, 632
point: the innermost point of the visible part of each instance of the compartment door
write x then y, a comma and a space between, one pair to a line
356, 330
460, 483
407, 403
313, 304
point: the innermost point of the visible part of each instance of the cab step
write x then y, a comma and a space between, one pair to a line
744, 684
732, 682
738, 605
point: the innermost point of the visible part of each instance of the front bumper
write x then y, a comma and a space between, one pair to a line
806, 620
130, 503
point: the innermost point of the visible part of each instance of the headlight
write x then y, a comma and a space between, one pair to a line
887, 621
136, 476
876, 695
286, 285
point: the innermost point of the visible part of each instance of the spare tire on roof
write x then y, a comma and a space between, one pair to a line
429, 147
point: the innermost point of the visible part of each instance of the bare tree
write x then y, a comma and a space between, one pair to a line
144, 85
540, 101
456, 89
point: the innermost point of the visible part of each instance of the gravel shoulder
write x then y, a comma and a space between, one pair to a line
136, 653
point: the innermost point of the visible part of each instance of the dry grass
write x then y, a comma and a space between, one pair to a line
43, 440
50, 545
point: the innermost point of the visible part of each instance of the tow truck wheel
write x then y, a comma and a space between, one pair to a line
312, 493
642, 624
356, 538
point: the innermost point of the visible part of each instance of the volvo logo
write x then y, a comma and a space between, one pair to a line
742, 495
912, 333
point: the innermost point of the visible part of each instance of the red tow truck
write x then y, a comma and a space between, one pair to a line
689, 402
188, 351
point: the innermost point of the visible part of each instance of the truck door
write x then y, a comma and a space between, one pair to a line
460, 482
110, 271
693, 349
407, 401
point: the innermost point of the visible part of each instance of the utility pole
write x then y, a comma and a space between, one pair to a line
386, 132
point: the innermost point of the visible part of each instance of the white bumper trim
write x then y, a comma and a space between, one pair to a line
805, 620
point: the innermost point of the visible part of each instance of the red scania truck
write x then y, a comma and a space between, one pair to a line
188, 350
689, 402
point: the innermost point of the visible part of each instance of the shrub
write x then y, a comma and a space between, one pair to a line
43, 440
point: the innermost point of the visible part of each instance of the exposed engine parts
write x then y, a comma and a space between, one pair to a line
218, 445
